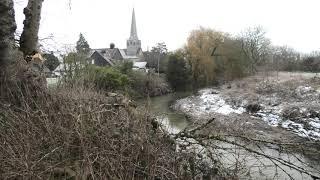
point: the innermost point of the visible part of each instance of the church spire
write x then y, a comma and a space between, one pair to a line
133, 43
133, 34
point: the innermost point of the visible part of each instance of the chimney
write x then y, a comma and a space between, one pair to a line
112, 45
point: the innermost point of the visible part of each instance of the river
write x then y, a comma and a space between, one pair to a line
172, 120
175, 122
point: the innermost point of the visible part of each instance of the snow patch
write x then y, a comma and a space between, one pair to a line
311, 130
315, 124
207, 102
300, 130
271, 119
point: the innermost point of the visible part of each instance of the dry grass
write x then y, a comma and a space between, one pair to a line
80, 134
74, 132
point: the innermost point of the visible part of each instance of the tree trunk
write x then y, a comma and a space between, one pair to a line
29, 36
7, 29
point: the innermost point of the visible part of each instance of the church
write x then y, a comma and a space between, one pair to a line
112, 55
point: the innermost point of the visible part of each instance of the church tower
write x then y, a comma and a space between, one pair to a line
133, 43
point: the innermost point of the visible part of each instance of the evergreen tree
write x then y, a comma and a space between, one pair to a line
178, 74
51, 62
82, 45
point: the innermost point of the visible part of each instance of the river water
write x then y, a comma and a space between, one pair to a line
175, 122
172, 120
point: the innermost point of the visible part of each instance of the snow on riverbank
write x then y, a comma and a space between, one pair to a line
308, 127
312, 132
209, 102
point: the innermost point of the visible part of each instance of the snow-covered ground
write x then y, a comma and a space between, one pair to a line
206, 103
313, 131
209, 102
308, 128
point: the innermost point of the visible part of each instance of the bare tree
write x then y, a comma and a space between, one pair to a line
29, 36
255, 46
285, 58
7, 29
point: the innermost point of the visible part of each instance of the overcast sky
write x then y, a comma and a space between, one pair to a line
288, 22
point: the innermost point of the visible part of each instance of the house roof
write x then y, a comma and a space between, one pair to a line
105, 55
103, 51
124, 55
110, 54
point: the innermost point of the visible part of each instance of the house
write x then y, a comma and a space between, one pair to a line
112, 55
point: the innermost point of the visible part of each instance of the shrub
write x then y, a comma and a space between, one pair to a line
148, 84
77, 133
106, 78
125, 67
122, 78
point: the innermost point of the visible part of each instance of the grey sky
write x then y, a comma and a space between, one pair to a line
288, 22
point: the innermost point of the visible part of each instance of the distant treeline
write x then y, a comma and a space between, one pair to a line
211, 57
287, 59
